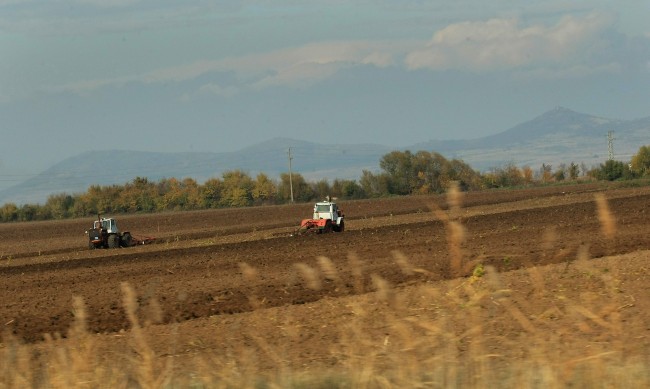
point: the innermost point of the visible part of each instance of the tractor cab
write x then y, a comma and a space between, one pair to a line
108, 224
326, 210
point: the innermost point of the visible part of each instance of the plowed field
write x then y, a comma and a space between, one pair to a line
232, 271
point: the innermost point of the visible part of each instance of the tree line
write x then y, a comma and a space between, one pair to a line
402, 173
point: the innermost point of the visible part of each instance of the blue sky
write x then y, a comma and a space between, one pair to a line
167, 75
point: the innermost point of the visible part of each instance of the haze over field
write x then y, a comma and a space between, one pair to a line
178, 76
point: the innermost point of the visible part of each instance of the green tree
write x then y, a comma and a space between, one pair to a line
91, 199
264, 190
143, 195
237, 189
641, 161
321, 189
60, 205
574, 171
127, 201
192, 194
468, 178
528, 174
545, 173
422, 172
9, 212
104, 199
612, 170
210, 193
431, 171
507, 176
173, 196
169, 194
28, 212
80, 207
399, 167
302, 191
560, 173
347, 189
374, 185
32, 212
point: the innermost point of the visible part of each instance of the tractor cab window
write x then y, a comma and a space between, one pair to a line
108, 224
322, 208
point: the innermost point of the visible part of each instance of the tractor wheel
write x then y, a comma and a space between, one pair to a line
113, 241
328, 226
342, 226
91, 246
127, 240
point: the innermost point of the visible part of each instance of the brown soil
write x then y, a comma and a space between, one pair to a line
191, 282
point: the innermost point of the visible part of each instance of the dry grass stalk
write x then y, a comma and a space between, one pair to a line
537, 279
250, 277
403, 263
249, 272
455, 239
72, 366
549, 238
356, 265
329, 270
605, 217
310, 276
382, 287
454, 198
15, 364
455, 229
583, 253
153, 310
354, 350
502, 297
147, 374
83, 352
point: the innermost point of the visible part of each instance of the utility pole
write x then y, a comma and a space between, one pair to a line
610, 145
290, 178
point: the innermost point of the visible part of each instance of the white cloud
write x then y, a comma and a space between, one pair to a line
85, 87
293, 67
504, 44
215, 89
571, 47
107, 3
306, 65
300, 75
576, 71
210, 89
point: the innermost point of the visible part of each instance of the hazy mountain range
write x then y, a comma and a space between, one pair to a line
557, 136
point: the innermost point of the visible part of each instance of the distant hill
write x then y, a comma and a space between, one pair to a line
313, 161
557, 136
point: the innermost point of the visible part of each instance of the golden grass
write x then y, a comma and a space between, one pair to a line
483, 331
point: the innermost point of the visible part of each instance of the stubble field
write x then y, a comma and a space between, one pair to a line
509, 287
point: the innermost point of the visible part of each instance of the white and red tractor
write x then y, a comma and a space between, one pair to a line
327, 217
